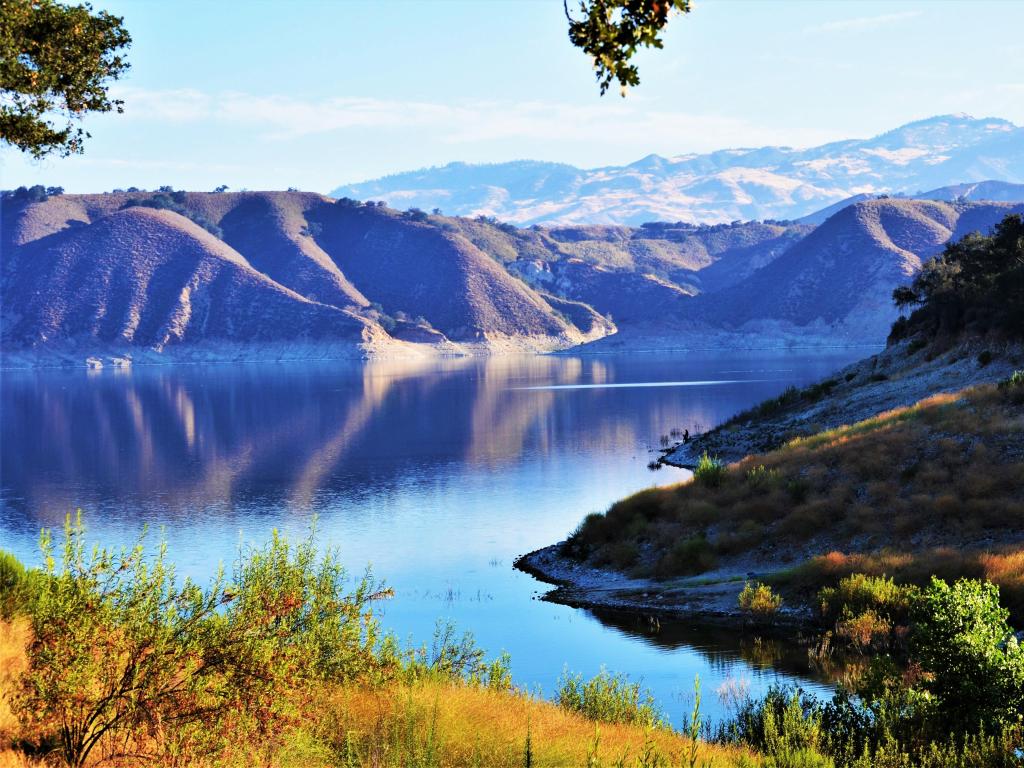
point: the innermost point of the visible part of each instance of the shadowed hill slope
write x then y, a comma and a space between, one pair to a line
153, 278
840, 277
165, 270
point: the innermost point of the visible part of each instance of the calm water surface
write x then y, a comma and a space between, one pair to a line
438, 473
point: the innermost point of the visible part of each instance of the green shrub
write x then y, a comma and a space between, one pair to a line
450, 657
19, 586
962, 640
798, 490
1013, 387
121, 648
687, 557
757, 599
984, 358
709, 471
609, 699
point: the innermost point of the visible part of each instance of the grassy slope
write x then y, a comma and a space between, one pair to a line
937, 487
433, 723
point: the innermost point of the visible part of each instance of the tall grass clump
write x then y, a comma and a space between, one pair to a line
608, 698
710, 471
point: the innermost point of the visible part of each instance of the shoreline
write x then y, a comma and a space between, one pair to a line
704, 600
122, 358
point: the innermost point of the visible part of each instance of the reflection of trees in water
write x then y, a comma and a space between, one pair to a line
721, 647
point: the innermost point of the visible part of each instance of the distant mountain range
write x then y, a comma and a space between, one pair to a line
722, 186
175, 275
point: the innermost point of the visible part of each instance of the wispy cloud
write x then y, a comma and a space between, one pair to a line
861, 23
287, 118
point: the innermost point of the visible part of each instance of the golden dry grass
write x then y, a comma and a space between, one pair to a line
14, 637
433, 723
476, 726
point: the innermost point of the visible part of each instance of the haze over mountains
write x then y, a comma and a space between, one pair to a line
175, 275
722, 186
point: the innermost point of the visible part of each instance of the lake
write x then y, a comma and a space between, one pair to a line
438, 473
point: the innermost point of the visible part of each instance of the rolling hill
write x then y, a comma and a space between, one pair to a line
121, 273
170, 275
727, 185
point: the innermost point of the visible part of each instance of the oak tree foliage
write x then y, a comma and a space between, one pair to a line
611, 31
56, 64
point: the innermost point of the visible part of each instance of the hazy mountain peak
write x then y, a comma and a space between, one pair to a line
725, 185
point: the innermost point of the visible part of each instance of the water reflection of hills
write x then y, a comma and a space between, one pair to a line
196, 438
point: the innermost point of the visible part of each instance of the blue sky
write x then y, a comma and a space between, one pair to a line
269, 95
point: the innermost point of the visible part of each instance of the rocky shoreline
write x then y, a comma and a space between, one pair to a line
710, 599
895, 378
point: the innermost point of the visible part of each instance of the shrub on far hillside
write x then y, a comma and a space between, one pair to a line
709, 471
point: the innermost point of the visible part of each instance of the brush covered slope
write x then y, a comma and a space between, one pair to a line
279, 273
907, 464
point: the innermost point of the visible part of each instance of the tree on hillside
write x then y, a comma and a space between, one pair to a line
976, 283
611, 31
56, 63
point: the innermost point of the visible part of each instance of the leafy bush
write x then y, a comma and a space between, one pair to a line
124, 654
984, 358
687, 557
758, 600
608, 698
859, 593
451, 657
760, 476
1013, 387
709, 471
19, 586
970, 655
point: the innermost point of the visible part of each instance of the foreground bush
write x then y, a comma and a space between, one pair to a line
128, 662
957, 700
608, 699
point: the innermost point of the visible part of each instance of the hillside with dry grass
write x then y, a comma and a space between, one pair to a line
438, 723
933, 488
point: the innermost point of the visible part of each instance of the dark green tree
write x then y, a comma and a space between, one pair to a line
56, 64
611, 31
